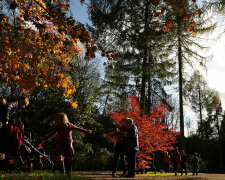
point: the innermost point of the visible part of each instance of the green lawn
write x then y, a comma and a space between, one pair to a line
39, 175
85, 175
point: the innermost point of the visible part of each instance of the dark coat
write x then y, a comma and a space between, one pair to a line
131, 139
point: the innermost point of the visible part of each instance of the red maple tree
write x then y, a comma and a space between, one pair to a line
153, 134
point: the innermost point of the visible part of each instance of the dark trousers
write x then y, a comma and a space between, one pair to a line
131, 162
183, 167
119, 155
167, 167
195, 170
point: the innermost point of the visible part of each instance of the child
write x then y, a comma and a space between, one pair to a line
64, 145
195, 164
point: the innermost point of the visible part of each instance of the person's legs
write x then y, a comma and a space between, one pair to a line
68, 153
123, 164
122, 159
59, 162
194, 171
166, 167
181, 170
175, 168
128, 163
68, 163
115, 160
185, 170
131, 160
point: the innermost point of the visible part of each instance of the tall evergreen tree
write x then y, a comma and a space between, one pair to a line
134, 29
187, 44
196, 92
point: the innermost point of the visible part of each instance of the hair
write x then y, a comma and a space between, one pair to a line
62, 119
130, 121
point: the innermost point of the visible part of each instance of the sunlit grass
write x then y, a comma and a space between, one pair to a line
78, 175
39, 175
165, 174
149, 173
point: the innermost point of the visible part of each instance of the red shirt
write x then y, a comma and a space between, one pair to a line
64, 134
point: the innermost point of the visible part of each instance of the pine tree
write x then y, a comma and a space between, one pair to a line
134, 29
188, 44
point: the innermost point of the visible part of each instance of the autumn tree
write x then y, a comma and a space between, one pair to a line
153, 135
45, 103
37, 41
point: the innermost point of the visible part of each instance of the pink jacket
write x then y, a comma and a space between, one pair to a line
64, 134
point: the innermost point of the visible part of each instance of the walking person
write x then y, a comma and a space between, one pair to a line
131, 146
166, 162
183, 163
64, 147
195, 164
119, 150
176, 160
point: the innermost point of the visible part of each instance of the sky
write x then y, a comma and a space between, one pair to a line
79, 12
216, 69
215, 74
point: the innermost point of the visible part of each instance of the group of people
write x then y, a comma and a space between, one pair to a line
64, 146
126, 144
179, 160
127, 139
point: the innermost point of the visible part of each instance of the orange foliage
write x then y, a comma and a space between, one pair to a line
37, 47
169, 24
153, 134
167, 29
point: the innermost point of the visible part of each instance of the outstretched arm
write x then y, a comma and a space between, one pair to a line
50, 135
75, 128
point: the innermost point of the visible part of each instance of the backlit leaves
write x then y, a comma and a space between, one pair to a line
4, 101
37, 47
153, 135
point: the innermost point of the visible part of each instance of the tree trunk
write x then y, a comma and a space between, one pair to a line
200, 111
143, 83
149, 103
180, 64
144, 78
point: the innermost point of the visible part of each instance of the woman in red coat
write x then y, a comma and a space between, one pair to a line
64, 146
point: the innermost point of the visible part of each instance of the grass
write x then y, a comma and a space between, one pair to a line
39, 175
78, 175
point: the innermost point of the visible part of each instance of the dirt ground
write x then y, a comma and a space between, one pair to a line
158, 177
